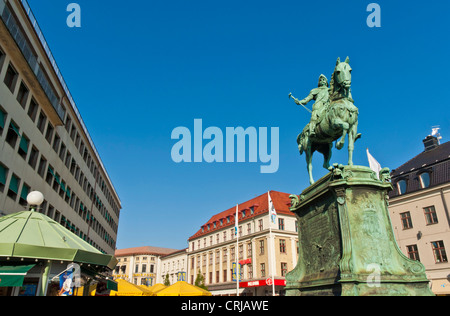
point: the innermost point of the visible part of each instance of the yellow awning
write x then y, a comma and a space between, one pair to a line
125, 288
157, 287
79, 291
183, 288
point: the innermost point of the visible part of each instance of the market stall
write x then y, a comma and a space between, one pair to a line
38, 248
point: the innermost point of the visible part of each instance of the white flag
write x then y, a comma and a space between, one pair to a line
272, 210
373, 163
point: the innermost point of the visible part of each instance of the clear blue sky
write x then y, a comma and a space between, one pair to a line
139, 69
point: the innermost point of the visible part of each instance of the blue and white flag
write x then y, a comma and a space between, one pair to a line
272, 210
236, 221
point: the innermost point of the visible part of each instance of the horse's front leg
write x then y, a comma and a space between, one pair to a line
339, 124
352, 137
327, 156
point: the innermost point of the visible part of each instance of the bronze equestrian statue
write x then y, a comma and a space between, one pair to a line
334, 116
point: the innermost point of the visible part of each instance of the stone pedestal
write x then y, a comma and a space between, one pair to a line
346, 242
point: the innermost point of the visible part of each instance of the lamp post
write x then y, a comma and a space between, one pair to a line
35, 199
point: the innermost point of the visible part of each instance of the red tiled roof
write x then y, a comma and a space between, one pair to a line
281, 202
147, 250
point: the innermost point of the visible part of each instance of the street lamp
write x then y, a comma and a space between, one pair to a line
35, 199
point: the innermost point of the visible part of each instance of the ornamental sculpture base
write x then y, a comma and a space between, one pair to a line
346, 242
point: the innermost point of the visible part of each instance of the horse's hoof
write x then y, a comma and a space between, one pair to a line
339, 146
358, 136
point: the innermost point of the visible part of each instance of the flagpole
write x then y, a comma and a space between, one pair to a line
236, 252
272, 240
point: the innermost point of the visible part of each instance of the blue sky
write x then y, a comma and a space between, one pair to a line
139, 69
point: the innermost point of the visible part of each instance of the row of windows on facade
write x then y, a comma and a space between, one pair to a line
437, 246
232, 233
138, 268
203, 259
245, 274
174, 266
429, 213
52, 178
10, 80
221, 222
142, 268
48, 209
423, 178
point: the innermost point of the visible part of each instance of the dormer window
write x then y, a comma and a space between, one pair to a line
424, 180
401, 186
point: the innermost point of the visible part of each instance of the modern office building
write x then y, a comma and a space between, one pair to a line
266, 247
419, 211
44, 143
141, 265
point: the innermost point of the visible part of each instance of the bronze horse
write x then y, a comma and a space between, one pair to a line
340, 119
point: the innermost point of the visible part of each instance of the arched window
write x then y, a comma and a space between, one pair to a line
424, 180
401, 186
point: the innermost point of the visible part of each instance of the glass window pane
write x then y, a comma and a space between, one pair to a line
425, 179
401, 187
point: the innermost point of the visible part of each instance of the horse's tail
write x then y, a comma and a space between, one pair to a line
300, 143
302, 140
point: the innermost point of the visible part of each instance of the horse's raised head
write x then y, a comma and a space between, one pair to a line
343, 73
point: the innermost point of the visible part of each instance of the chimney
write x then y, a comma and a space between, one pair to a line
430, 143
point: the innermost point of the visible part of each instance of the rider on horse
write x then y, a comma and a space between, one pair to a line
334, 117
322, 97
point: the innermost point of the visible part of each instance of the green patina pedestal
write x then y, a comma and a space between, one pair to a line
346, 242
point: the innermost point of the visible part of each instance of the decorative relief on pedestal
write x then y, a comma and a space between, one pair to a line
345, 233
294, 201
338, 171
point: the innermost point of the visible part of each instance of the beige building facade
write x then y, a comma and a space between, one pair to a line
141, 265
265, 250
44, 143
173, 267
419, 211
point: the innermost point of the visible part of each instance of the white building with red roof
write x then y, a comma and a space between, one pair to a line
141, 265
265, 250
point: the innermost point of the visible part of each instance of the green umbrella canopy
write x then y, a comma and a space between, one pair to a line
33, 235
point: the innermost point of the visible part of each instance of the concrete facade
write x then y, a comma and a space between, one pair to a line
44, 143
